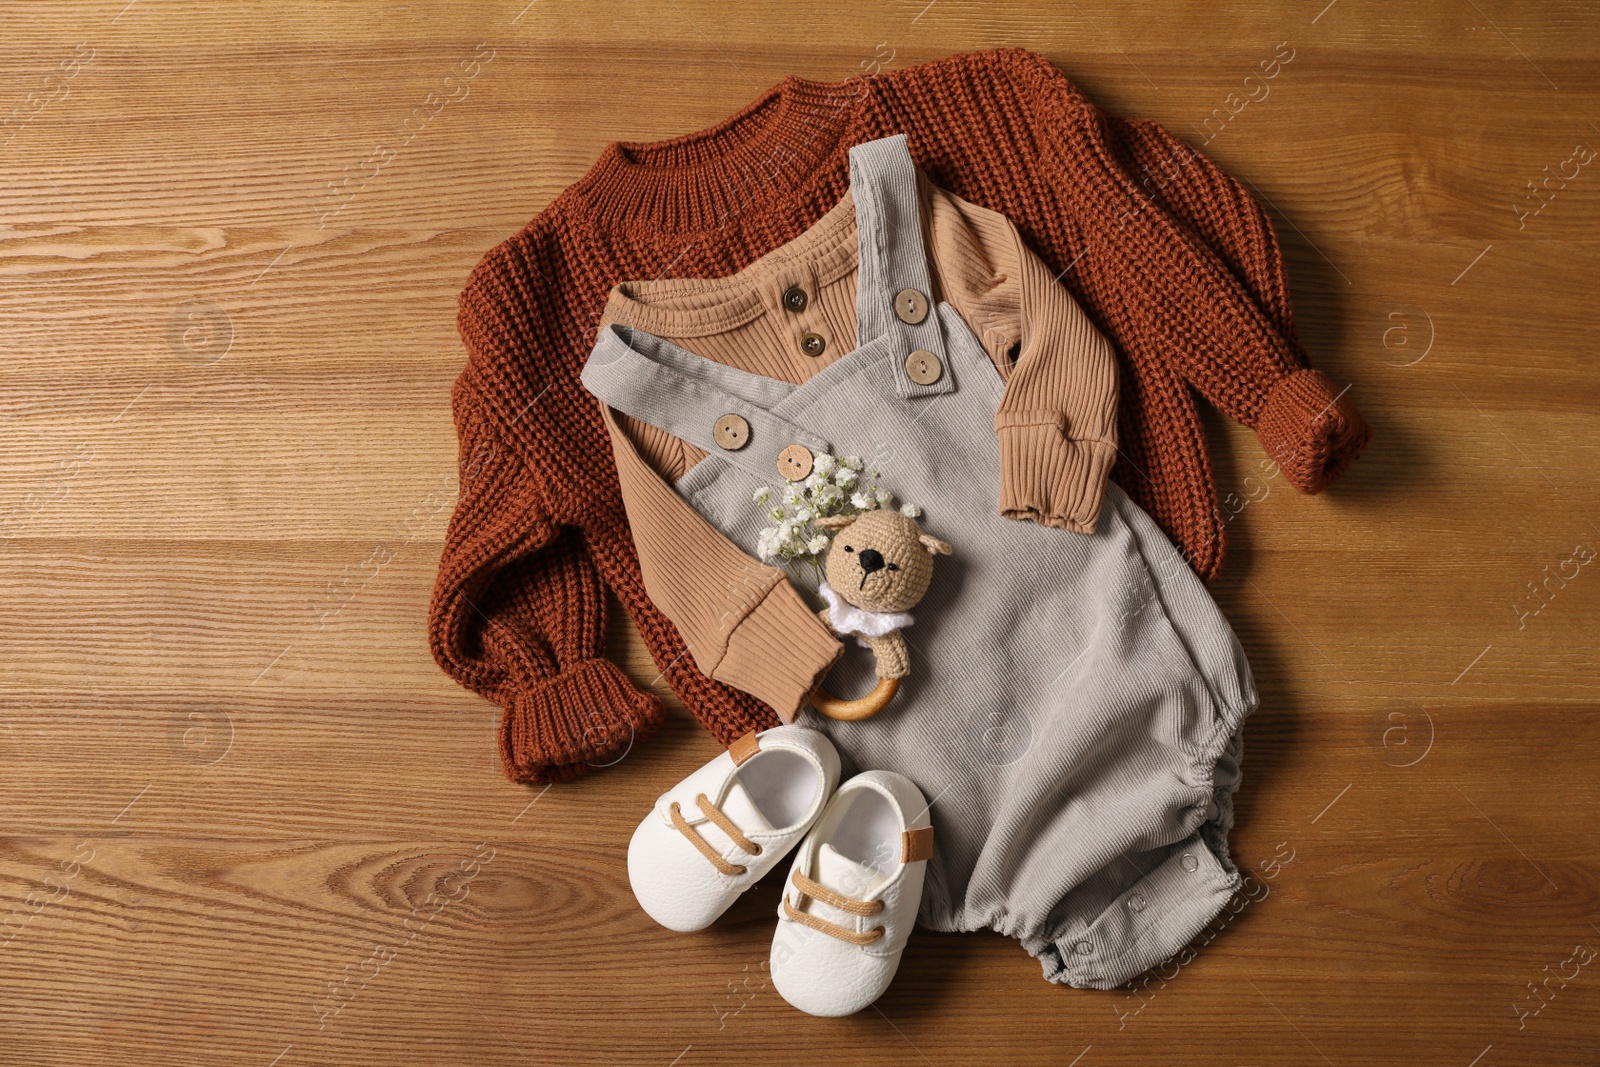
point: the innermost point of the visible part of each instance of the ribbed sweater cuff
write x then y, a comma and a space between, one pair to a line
779, 652
1048, 477
1311, 430
585, 718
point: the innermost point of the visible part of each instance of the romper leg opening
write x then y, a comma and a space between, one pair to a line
1150, 922
1103, 939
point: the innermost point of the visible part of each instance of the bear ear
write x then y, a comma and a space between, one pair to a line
934, 546
834, 522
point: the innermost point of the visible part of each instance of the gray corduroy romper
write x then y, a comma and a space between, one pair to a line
1074, 707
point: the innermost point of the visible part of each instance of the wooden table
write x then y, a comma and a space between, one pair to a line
244, 819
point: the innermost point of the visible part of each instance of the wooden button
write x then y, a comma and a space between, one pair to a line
795, 299
813, 345
910, 306
731, 432
923, 367
794, 462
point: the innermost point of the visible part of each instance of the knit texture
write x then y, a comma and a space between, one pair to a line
1171, 259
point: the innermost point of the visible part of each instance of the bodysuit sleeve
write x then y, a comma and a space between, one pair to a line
1057, 421
742, 620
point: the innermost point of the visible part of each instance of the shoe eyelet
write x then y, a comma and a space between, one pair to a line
738, 869
756, 850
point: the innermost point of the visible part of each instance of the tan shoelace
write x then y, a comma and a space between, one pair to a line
723, 823
818, 891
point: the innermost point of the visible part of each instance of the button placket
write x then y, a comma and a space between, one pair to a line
792, 297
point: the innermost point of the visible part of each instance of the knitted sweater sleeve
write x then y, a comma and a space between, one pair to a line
519, 616
1222, 320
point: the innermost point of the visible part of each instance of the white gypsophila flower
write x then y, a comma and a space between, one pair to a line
804, 515
792, 496
817, 544
845, 478
863, 501
814, 481
850, 462
767, 544
825, 464
776, 513
828, 496
762, 495
885, 498
910, 511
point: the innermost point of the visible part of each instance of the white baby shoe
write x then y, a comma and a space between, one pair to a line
714, 834
852, 896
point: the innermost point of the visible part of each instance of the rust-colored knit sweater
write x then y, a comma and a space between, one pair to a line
1173, 261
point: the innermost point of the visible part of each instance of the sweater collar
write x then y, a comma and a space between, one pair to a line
791, 144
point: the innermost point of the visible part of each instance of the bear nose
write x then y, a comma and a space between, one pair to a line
871, 560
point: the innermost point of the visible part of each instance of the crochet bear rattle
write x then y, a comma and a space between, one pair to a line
878, 567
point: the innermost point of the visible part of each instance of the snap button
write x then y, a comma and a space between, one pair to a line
1189, 862
910, 306
731, 432
794, 462
812, 344
795, 299
1136, 903
923, 367
1082, 948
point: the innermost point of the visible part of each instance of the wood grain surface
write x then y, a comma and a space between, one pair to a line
244, 818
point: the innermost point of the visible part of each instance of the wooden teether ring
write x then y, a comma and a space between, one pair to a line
861, 707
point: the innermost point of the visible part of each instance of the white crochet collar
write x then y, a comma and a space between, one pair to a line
849, 619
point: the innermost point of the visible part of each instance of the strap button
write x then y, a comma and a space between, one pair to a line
795, 299
910, 306
813, 344
731, 432
923, 367
794, 462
